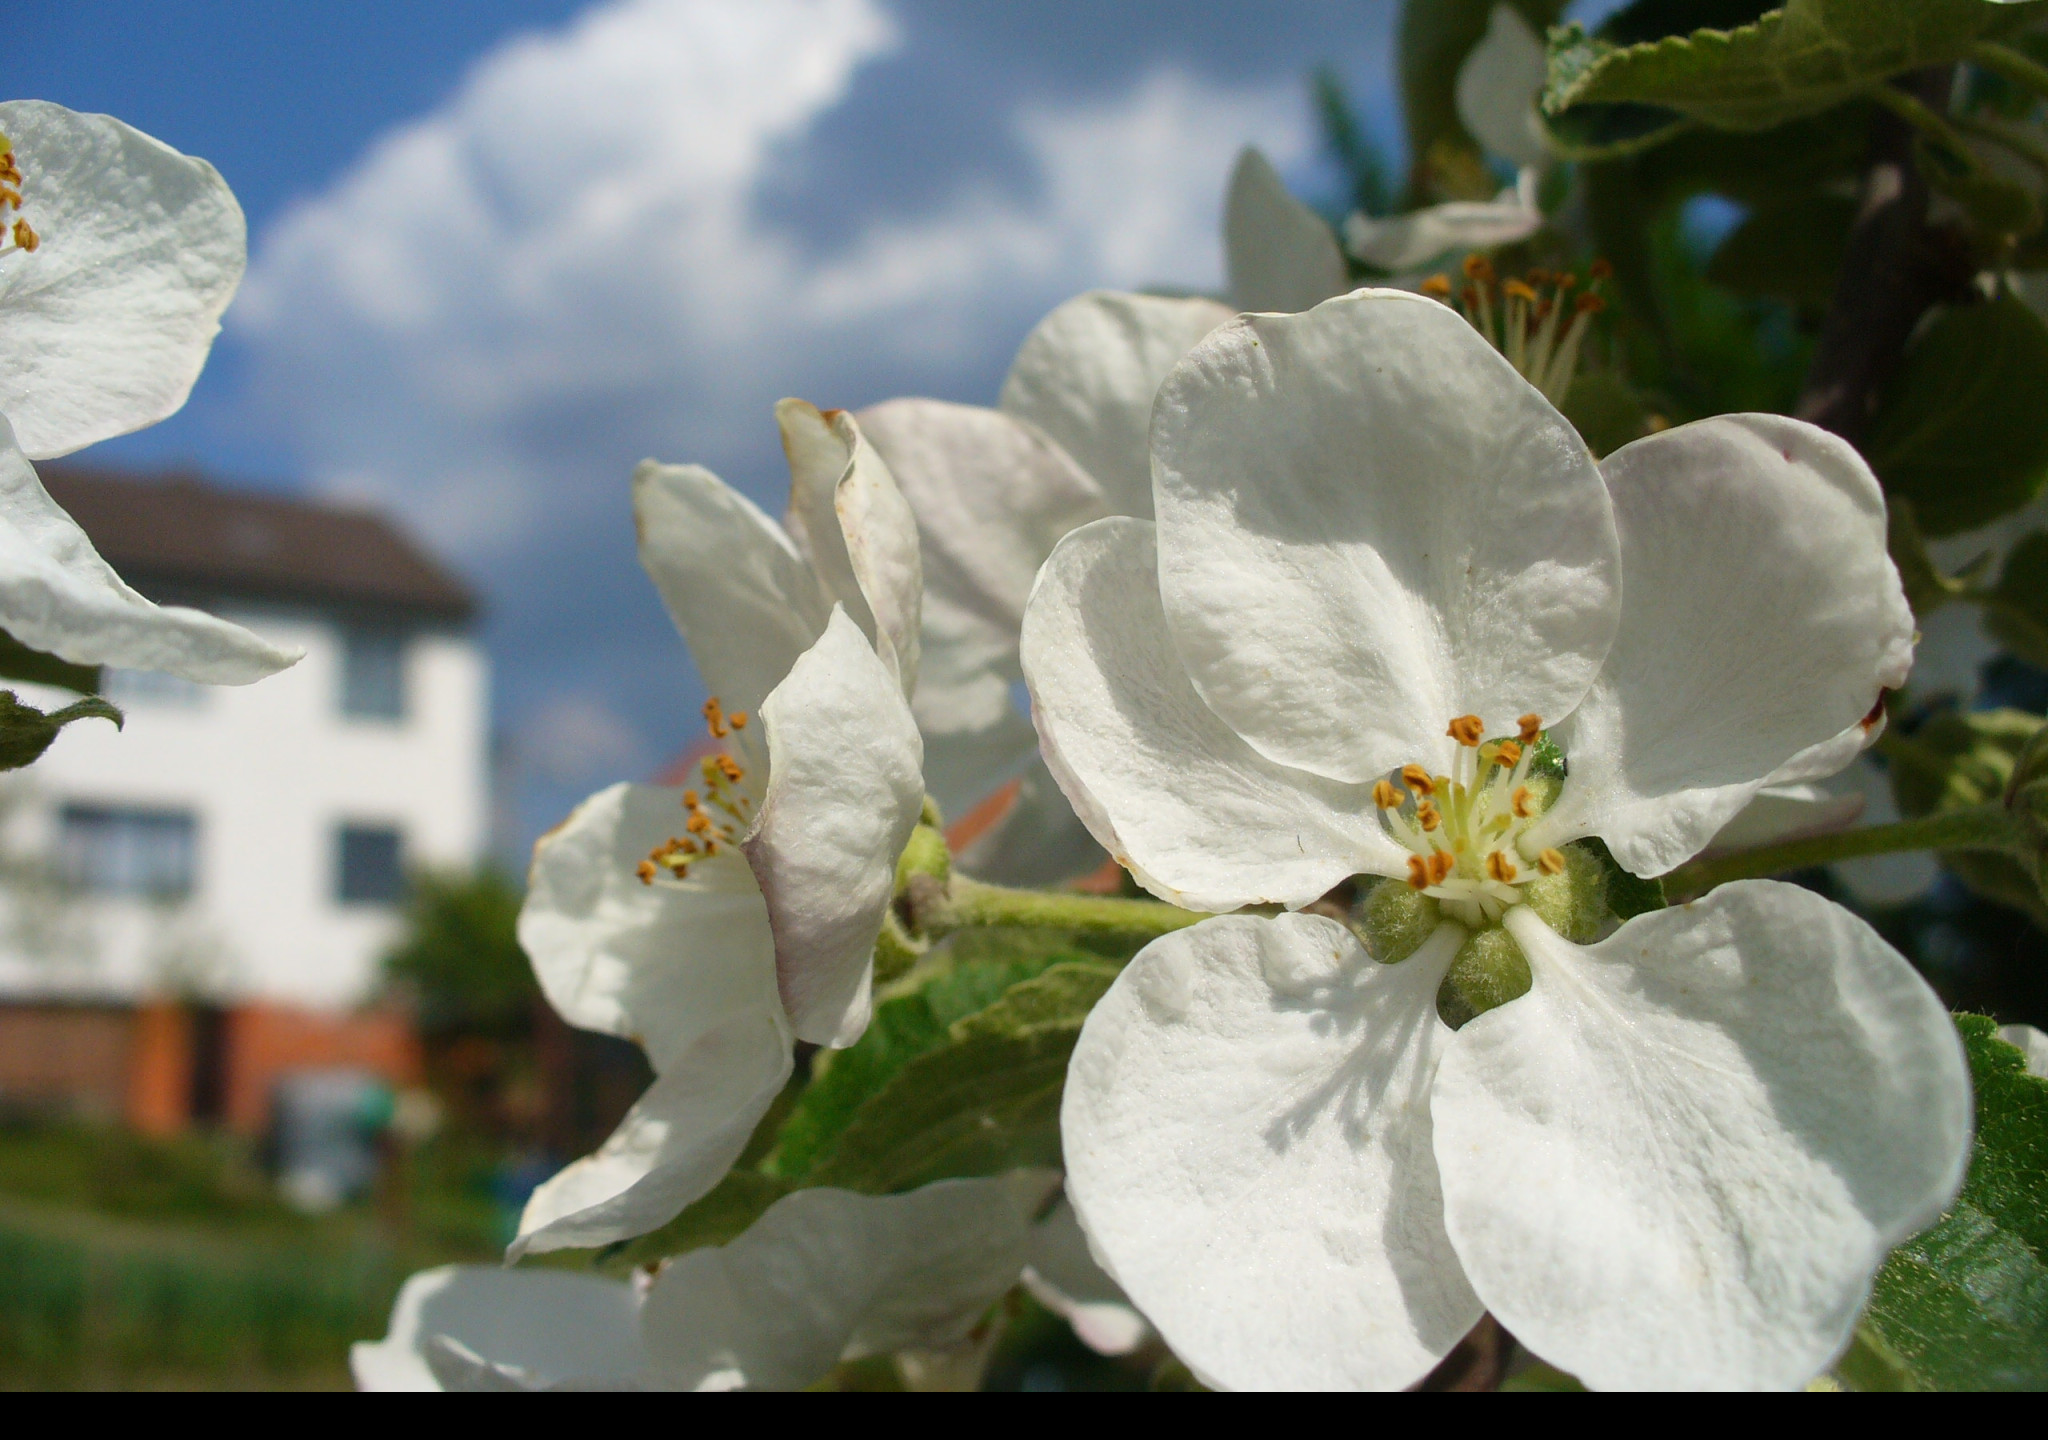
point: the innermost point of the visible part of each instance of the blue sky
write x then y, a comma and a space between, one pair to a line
502, 249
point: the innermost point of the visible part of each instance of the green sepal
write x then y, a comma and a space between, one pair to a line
1490, 970
1807, 57
1962, 431
1958, 760
1628, 895
1574, 901
1395, 918
19, 662
1964, 1304
26, 732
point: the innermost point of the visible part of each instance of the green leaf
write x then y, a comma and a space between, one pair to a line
1807, 57
1964, 1305
1605, 411
1962, 432
1957, 760
1627, 895
718, 1218
26, 732
1791, 250
18, 662
986, 1102
2016, 613
976, 974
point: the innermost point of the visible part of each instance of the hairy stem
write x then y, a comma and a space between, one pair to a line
965, 904
1977, 827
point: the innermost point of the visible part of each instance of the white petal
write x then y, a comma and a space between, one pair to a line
1247, 1135
1369, 525
962, 765
1497, 89
1678, 1161
1062, 1276
59, 596
847, 514
992, 495
109, 320
1086, 376
1283, 256
828, 1273
1762, 617
1783, 812
1038, 841
676, 1142
1404, 242
2031, 1043
741, 593
844, 793
660, 964
549, 1325
1196, 814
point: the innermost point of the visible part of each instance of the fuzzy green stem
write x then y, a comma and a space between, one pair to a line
968, 904
2006, 61
1927, 123
1977, 827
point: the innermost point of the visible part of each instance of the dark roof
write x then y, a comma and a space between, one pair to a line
179, 534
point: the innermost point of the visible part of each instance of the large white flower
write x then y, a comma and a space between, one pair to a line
823, 1275
117, 256
716, 924
1385, 579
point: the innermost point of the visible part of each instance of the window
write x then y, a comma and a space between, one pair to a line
373, 674
370, 868
109, 850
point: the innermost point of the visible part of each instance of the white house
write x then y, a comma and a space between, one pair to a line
248, 845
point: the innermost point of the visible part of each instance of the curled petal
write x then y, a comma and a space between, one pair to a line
517, 1329
1763, 620
826, 1274
1369, 524
2030, 1043
1283, 256
111, 317
1038, 841
1200, 818
1062, 1276
844, 793
1086, 376
1400, 243
1497, 89
742, 594
57, 595
1678, 1161
1247, 1134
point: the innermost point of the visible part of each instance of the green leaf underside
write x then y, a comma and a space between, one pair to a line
1799, 60
19, 662
1964, 1304
986, 1102
903, 1029
1963, 431
26, 732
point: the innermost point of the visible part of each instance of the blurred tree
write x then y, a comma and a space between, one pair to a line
460, 955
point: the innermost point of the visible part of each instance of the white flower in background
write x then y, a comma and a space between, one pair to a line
717, 924
2030, 1043
1679, 1158
1496, 96
993, 491
823, 1276
117, 256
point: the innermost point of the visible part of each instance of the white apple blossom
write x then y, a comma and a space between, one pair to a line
823, 1276
1680, 1156
2031, 1043
117, 256
719, 923
1282, 256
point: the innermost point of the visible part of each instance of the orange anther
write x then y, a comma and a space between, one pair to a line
1467, 730
1440, 867
1427, 816
1550, 862
1517, 290
1437, 287
1418, 872
1479, 269
645, 870
738, 719
1417, 779
1600, 269
1499, 867
26, 238
1386, 795
1522, 802
1508, 754
1589, 304
730, 769
714, 716
1532, 726
691, 799
700, 824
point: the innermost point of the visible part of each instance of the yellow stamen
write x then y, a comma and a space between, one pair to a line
714, 716
645, 870
1479, 269
1522, 802
691, 799
1517, 290
1417, 779
1440, 867
26, 238
1386, 795
1467, 730
1550, 862
1427, 815
1532, 726
1418, 872
1437, 287
699, 824
1499, 867
1508, 753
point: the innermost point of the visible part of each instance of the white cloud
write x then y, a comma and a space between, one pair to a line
577, 739
566, 265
